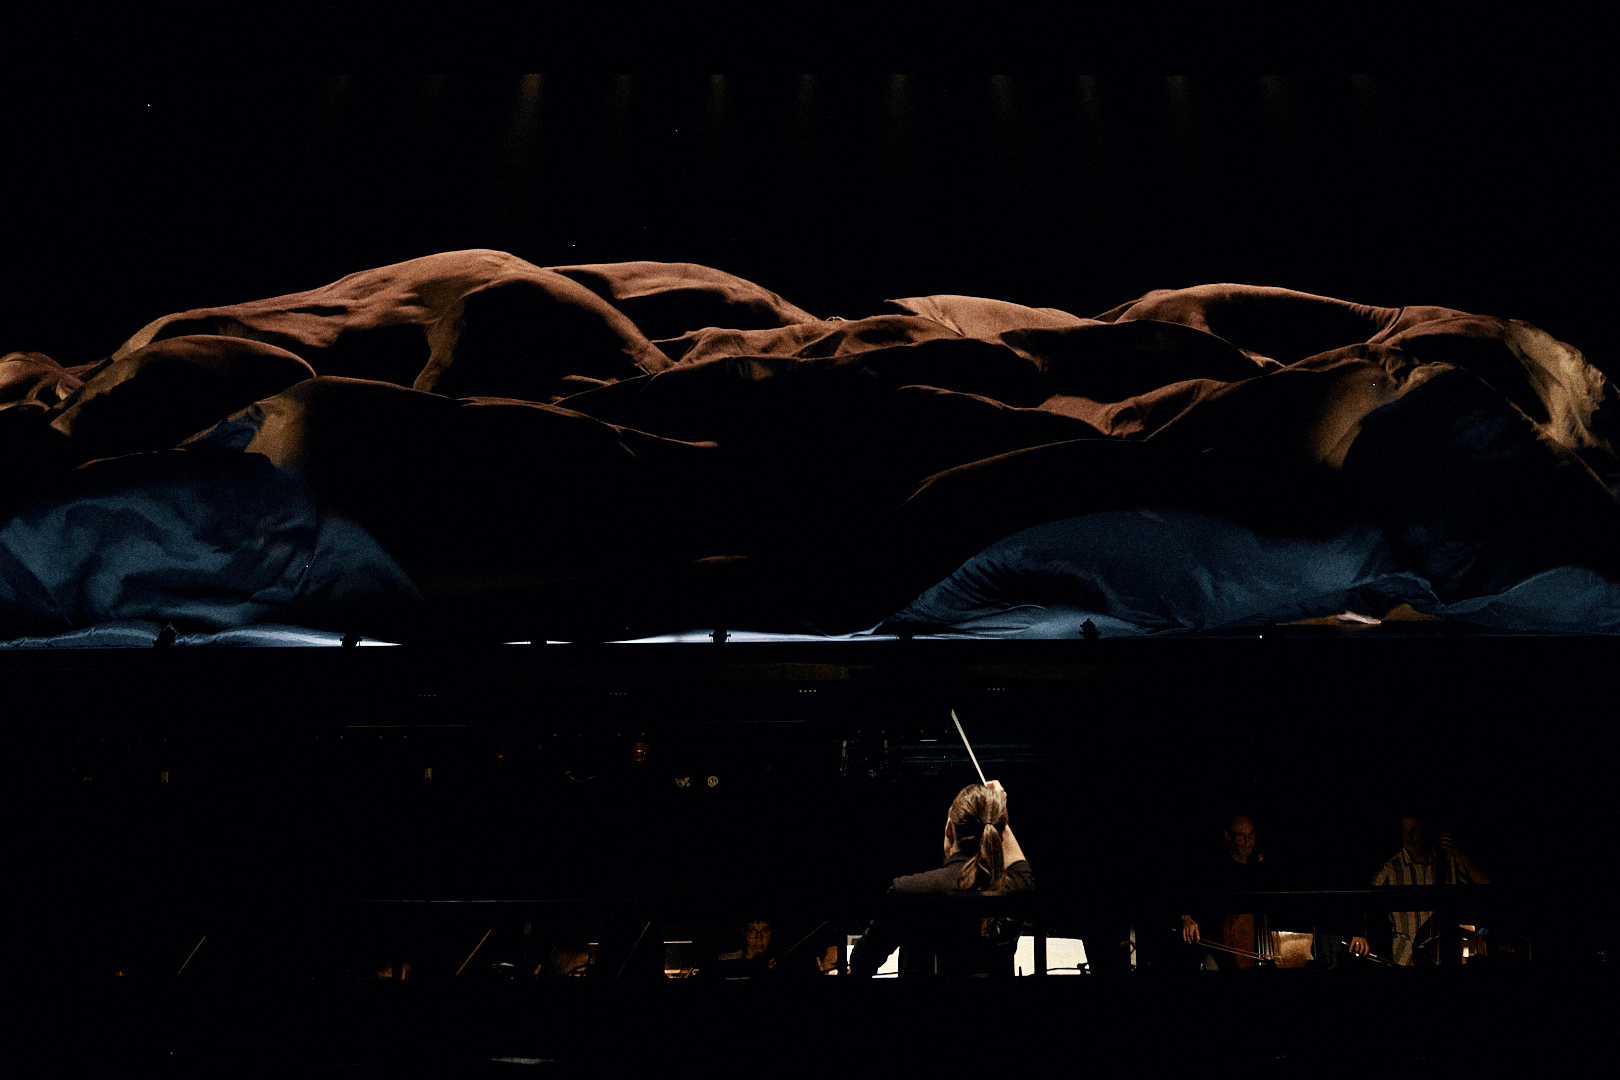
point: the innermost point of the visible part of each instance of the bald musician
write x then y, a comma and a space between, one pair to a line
1233, 939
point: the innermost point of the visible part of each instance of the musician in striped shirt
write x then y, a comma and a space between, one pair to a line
1420, 863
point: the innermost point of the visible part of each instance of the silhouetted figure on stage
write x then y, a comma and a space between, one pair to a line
981, 856
815, 953
1230, 940
557, 954
565, 960
1416, 940
826, 960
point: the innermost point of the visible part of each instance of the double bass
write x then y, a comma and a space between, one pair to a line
1240, 941
1244, 937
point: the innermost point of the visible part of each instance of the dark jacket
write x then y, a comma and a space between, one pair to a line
933, 939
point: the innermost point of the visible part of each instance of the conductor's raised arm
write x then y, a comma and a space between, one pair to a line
1010, 850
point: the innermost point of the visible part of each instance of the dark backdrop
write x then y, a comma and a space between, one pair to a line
134, 197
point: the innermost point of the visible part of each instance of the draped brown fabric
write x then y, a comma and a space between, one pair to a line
632, 446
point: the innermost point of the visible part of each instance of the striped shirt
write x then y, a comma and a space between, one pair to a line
1401, 869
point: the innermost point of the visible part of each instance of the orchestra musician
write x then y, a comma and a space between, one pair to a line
756, 951
1232, 941
981, 856
1415, 938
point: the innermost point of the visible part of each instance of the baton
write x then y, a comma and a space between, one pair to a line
969, 746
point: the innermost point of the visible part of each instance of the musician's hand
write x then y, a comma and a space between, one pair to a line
1189, 930
1447, 846
1359, 946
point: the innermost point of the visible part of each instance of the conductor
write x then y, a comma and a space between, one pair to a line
981, 856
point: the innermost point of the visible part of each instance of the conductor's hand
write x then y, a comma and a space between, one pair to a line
1448, 845
1189, 930
1358, 946
995, 785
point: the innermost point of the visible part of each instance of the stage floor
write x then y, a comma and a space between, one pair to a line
1269, 1024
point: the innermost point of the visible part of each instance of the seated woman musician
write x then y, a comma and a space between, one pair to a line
981, 856
755, 958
